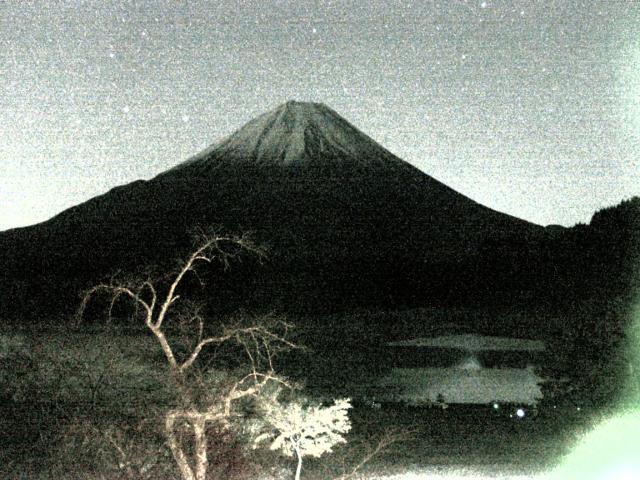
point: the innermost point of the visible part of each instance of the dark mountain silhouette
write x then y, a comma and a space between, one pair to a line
346, 223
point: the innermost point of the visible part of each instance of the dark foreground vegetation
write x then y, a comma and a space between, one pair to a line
90, 399
89, 403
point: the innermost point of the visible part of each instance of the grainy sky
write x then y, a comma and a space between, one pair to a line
531, 108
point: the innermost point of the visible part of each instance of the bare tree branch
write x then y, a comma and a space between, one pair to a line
389, 438
260, 340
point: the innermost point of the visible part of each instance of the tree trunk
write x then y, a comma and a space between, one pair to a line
181, 459
198, 421
299, 467
202, 463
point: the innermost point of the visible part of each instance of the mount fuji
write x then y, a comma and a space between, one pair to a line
345, 222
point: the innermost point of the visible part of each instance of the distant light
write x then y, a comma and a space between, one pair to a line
578, 408
496, 406
520, 413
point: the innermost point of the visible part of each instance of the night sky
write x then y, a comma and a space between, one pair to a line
531, 108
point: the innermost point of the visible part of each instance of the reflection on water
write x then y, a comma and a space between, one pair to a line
469, 384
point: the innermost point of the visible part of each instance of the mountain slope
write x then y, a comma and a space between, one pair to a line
345, 221
305, 155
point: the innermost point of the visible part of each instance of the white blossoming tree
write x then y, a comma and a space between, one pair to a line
305, 429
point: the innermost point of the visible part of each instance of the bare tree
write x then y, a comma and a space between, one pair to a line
259, 339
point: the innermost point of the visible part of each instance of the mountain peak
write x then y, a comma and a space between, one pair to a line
296, 104
294, 134
303, 108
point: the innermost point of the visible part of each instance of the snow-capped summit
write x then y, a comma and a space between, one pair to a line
293, 134
346, 222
